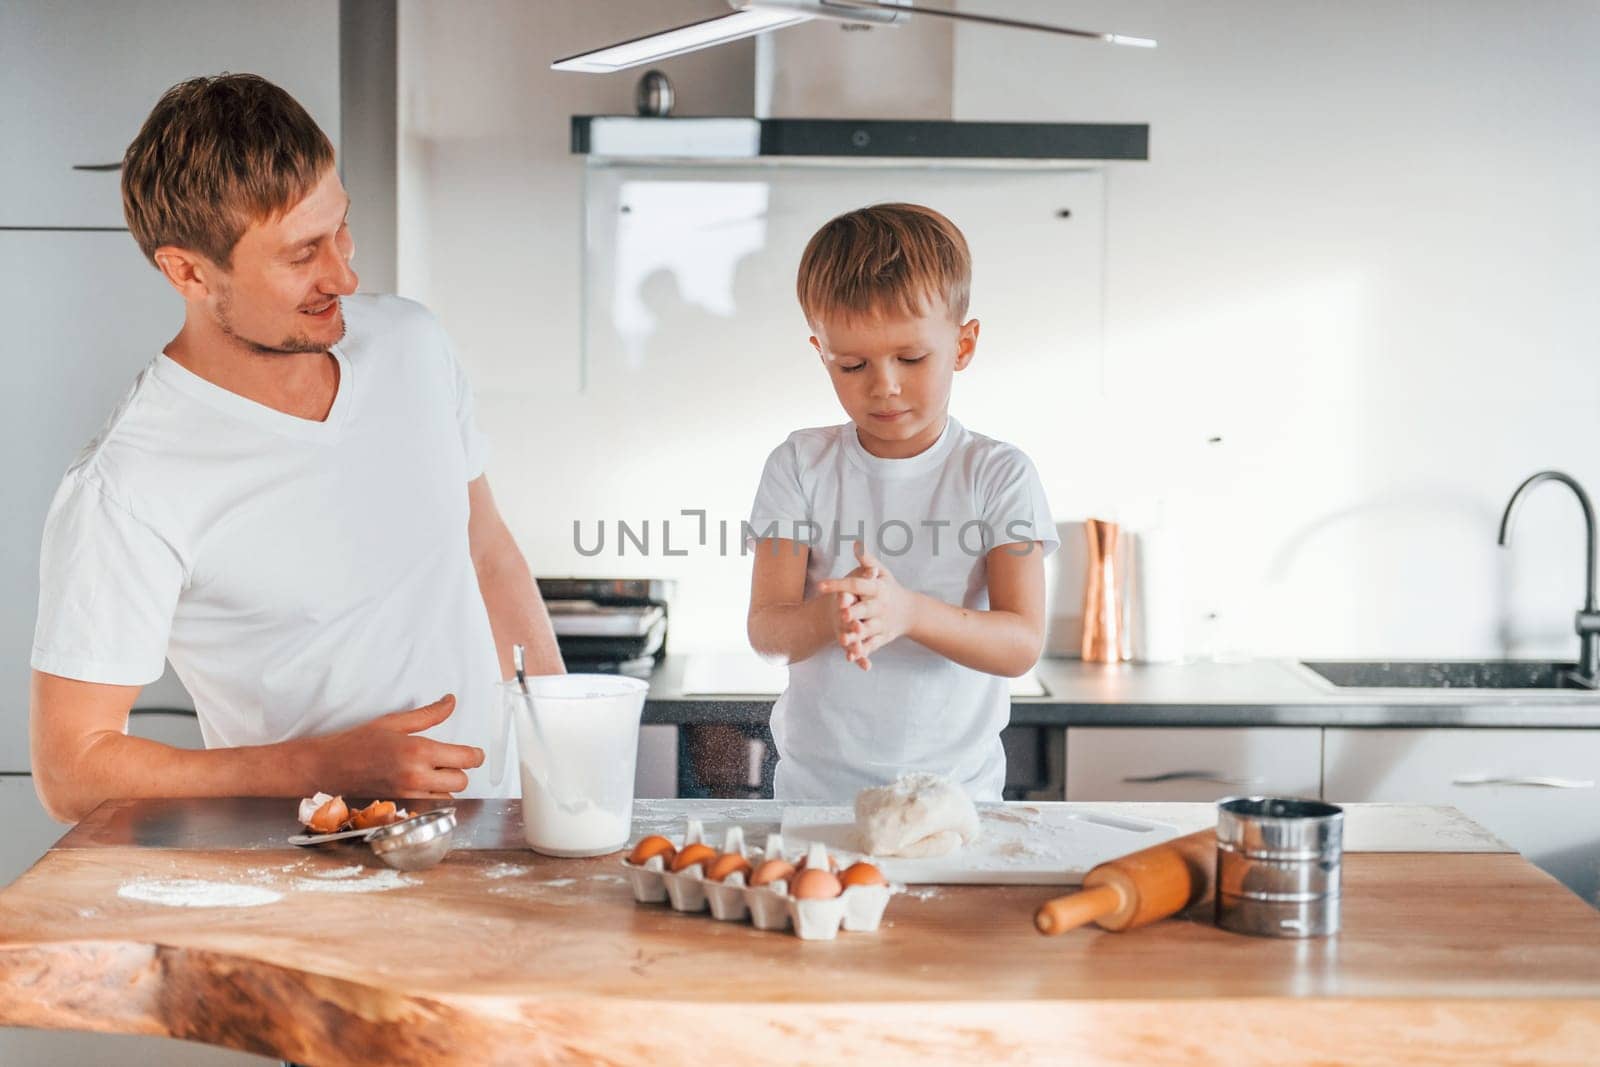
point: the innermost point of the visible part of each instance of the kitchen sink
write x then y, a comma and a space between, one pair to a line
1448, 674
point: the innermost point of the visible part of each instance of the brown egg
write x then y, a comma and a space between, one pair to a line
815, 884
725, 865
328, 818
691, 855
378, 813
773, 870
654, 845
862, 874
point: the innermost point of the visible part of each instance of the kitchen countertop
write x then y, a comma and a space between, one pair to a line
507, 957
1263, 692
229, 824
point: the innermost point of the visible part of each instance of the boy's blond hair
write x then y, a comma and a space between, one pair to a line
887, 258
215, 155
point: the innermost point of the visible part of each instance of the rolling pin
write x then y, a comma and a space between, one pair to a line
1138, 888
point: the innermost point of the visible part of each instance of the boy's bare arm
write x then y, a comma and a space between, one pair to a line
783, 625
1005, 640
81, 756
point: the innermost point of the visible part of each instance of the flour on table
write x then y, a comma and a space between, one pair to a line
505, 870
377, 882
196, 893
352, 871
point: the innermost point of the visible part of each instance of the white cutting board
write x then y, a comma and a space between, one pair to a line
1020, 844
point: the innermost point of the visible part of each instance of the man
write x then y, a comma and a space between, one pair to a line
289, 504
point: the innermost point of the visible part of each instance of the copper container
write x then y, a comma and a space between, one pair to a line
1103, 622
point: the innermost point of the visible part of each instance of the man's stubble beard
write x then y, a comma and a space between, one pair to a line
294, 344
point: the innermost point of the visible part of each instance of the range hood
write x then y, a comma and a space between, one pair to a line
628, 137
834, 91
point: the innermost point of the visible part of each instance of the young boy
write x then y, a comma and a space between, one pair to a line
899, 563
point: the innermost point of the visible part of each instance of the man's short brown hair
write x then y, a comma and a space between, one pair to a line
217, 154
887, 258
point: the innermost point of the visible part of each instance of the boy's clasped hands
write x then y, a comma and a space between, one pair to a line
872, 609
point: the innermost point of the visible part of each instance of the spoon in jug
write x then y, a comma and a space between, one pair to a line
571, 807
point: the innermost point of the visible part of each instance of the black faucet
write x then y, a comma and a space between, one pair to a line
1588, 619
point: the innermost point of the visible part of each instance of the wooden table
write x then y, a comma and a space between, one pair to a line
507, 957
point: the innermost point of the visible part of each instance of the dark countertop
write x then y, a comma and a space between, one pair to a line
1263, 692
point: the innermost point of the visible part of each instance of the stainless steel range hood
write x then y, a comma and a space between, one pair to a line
625, 137
830, 91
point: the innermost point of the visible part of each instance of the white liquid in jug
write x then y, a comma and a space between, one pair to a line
584, 830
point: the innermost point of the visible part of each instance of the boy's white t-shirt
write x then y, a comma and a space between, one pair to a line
931, 519
301, 576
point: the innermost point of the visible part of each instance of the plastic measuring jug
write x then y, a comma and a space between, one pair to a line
577, 743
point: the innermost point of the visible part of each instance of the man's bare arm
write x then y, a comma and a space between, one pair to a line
517, 614
81, 756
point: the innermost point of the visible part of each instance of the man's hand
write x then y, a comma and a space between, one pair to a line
81, 756
383, 758
873, 608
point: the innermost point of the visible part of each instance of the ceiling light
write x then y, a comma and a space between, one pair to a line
760, 16
675, 42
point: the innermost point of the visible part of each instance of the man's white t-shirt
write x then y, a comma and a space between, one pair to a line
932, 520
301, 576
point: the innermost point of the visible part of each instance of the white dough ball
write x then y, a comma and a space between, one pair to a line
919, 815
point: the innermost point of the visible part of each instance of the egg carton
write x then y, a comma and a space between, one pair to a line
858, 909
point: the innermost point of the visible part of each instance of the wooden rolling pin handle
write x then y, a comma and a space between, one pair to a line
1077, 909
1138, 888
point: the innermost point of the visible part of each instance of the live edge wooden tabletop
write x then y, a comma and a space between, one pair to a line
507, 957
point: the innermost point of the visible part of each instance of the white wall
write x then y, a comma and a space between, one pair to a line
1361, 255
491, 204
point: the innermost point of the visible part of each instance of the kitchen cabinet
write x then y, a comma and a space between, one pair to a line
1201, 764
29, 831
80, 78
1535, 789
1034, 766
655, 774
84, 313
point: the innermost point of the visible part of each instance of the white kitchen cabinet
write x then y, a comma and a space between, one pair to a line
1201, 764
655, 773
84, 314
29, 831
1537, 790
78, 80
